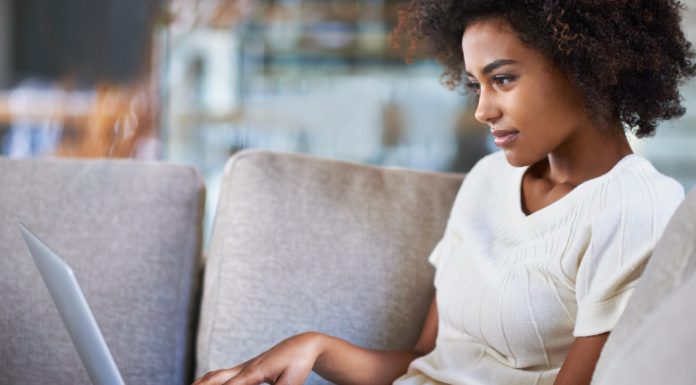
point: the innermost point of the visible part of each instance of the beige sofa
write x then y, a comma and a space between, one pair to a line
299, 243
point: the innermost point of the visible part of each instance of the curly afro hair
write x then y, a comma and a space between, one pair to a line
627, 57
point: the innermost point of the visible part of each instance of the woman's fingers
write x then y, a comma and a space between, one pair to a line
218, 376
291, 360
253, 376
221, 375
248, 373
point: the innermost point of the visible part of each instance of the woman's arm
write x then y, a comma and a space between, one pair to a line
581, 361
345, 364
338, 361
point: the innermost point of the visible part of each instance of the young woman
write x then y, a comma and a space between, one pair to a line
548, 237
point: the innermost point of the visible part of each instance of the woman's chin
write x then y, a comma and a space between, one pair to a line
515, 159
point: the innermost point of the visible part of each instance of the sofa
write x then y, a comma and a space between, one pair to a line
298, 243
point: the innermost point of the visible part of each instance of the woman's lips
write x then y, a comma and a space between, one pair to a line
504, 137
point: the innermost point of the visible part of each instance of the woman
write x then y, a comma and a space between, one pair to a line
547, 238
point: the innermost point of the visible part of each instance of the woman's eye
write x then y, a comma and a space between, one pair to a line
503, 80
474, 87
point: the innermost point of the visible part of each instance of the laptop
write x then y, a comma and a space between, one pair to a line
75, 312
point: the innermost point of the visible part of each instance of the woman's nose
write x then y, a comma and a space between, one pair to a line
487, 110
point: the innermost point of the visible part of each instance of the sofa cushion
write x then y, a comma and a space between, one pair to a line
132, 233
658, 328
660, 350
301, 243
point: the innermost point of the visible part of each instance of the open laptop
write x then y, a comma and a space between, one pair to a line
75, 312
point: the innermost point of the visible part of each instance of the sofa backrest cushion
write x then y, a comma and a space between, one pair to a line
301, 243
131, 232
653, 340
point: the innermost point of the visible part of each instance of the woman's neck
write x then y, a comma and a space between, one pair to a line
587, 157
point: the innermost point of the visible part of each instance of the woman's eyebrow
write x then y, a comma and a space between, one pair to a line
494, 65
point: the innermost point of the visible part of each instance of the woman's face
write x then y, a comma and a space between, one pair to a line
530, 106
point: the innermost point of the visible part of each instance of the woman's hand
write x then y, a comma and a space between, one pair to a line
288, 363
336, 360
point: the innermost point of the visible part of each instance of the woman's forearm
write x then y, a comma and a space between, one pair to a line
581, 361
338, 361
343, 363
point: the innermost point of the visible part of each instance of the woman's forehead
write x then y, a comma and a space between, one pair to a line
490, 40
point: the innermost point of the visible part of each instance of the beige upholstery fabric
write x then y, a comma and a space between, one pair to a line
660, 349
302, 243
132, 233
653, 340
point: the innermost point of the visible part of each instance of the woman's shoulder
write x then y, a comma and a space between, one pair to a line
637, 180
634, 188
484, 182
486, 174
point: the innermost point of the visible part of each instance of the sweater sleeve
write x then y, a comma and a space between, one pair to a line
622, 241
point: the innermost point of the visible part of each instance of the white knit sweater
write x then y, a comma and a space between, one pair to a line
513, 290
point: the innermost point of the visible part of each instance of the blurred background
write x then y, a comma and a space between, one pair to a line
194, 81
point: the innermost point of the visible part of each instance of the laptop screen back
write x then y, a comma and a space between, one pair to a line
75, 312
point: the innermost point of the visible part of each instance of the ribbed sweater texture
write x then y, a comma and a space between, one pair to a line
514, 290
